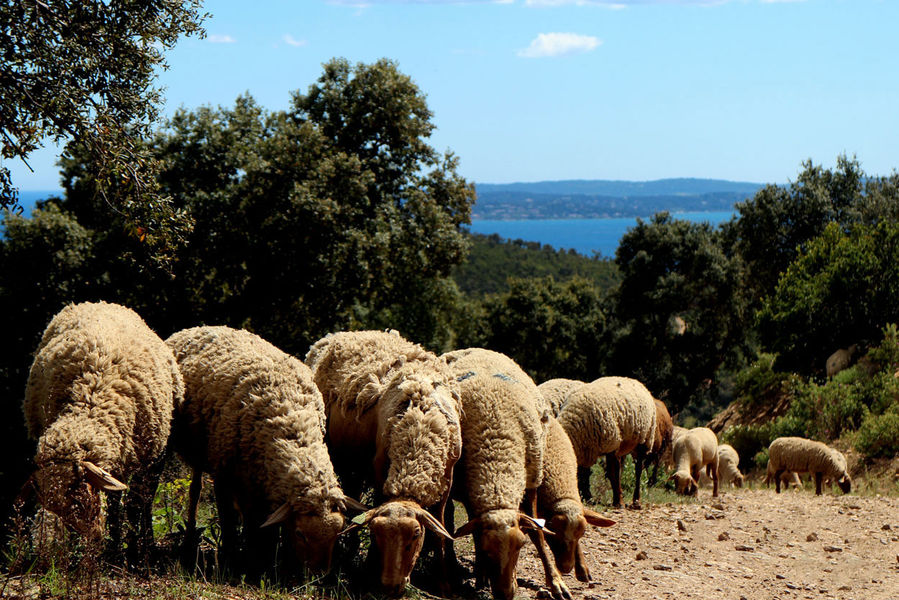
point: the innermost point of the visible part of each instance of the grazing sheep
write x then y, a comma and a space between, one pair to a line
840, 360
728, 460
390, 399
662, 444
612, 416
808, 456
693, 450
99, 400
559, 502
253, 418
504, 436
555, 391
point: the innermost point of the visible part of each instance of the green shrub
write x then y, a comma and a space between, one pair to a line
878, 436
759, 383
825, 411
747, 440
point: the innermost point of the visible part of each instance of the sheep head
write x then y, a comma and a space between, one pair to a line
498, 534
70, 489
568, 524
397, 531
684, 483
845, 483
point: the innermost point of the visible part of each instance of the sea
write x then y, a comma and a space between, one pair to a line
585, 236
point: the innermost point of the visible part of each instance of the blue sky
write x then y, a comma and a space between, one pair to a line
527, 90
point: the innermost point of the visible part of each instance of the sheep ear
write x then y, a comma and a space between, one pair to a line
101, 478
359, 521
467, 528
428, 520
528, 522
354, 504
596, 519
279, 516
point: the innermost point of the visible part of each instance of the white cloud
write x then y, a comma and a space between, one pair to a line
292, 41
559, 44
220, 39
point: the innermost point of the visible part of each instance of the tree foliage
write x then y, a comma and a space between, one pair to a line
678, 313
84, 71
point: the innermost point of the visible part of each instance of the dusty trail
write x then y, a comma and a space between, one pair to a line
750, 544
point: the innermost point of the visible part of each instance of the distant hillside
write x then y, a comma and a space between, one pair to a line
604, 199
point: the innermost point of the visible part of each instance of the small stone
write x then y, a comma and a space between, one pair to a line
718, 506
886, 527
812, 537
715, 514
723, 537
743, 548
543, 594
844, 588
641, 555
854, 506
681, 526
662, 567
792, 586
832, 549
779, 576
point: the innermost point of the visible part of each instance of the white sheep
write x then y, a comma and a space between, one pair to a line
99, 400
391, 400
254, 419
694, 450
504, 424
808, 456
611, 417
728, 471
556, 391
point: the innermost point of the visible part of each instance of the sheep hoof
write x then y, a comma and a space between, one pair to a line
636, 505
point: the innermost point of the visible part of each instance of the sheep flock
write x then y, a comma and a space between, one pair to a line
357, 449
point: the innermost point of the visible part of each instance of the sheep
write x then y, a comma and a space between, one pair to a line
555, 391
728, 460
254, 419
839, 360
788, 478
662, 444
693, 450
99, 401
388, 398
559, 502
612, 416
504, 435
801, 455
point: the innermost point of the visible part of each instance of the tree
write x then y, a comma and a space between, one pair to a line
842, 289
83, 71
552, 329
678, 314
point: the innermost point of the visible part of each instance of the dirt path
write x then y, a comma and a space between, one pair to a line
748, 544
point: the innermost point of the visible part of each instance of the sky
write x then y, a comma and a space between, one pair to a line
532, 90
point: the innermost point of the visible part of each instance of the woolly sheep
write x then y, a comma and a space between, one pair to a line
728, 460
808, 456
612, 416
555, 391
839, 360
389, 398
504, 436
787, 478
694, 450
99, 400
662, 443
253, 418
559, 502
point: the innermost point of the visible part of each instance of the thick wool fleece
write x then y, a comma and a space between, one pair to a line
252, 413
556, 391
102, 388
520, 397
559, 473
806, 456
611, 414
389, 398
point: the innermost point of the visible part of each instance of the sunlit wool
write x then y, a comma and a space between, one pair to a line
808, 456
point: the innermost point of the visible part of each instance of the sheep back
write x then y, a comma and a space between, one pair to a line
610, 414
806, 456
555, 391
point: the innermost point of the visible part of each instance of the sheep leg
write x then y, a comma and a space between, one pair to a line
583, 483
581, 570
712, 471
653, 477
613, 473
139, 513
554, 582
190, 546
777, 475
819, 480
114, 520
639, 458
224, 502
